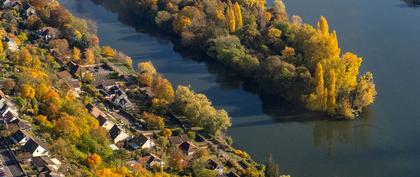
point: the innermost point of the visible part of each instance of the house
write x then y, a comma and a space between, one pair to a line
10, 117
11, 3
142, 142
105, 84
150, 161
64, 75
215, 166
118, 134
178, 140
119, 97
29, 10
93, 110
48, 33
11, 44
188, 148
105, 123
76, 85
20, 137
77, 70
35, 148
46, 164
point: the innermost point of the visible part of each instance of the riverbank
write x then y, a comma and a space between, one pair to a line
291, 77
55, 67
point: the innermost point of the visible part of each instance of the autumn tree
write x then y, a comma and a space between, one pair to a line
146, 72
231, 19
89, 56
94, 160
238, 15
332, 82
27, 91
181, 23
153, 121
107, 51
365, 91
76, 54
178, 161
320, 87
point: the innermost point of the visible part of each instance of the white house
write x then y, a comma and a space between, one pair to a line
142, 142
21, 137
11, 44
35, 148
105, 123
118, 134
10, 3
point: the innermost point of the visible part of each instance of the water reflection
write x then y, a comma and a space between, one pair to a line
412, 3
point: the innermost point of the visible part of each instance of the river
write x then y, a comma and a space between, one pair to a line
383, 142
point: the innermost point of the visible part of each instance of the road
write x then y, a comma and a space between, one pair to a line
11, 167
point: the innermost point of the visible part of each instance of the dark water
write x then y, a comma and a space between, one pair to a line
383, 143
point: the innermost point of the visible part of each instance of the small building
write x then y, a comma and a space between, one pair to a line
20, 137
178, 140
105, 84
105, 123
119, 97
188, 148
150, 161
10, 118
118, 134
215, 166
29, 10
48, 33
142, 142
93, 110
11, 44
77, 70
76, 86
46, 164
11, 3
35, 148
64, 75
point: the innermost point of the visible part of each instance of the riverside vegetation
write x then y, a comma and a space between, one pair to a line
43, 42
284, 56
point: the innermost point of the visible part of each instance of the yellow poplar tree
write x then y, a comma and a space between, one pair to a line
320, 89
231, 21
238, 15
76, 54
332, 91
323, 25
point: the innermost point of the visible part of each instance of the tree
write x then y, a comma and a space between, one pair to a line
273, 169
238, 15
162, 89
89, 56
107, 51
76, 54
178, 161
94, 160
153, 121
279, 10
61, 44
181, 23
27, 91
166, 132
69, 127
323, 25
332, 91
231, 19
365, 91
9, 84
146, 72
25, 57
320, 88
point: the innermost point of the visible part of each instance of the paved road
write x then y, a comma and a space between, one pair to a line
10, 166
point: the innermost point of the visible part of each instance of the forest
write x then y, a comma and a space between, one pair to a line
285, 56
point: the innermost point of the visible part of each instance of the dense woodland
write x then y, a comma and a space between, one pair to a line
29, 64
284, 55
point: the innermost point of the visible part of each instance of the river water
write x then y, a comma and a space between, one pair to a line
384, 142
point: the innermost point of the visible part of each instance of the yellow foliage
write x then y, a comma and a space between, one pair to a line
76, 54
27, 91
94, 160
181, 23
332, 91
231, 20
25, 57
238, 15
89, 56
274, 33
320, 89
323, 25
107, 51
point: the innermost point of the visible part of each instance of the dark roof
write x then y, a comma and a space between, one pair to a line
8, 118
75, 84
187, 147
32, 145
102, 120
140, 140
149, 158
105, 83
115, 131
40, 163
64, 75
4, 108
76, 69
95, 111
233, 174
20, 135
211, 164
178, 139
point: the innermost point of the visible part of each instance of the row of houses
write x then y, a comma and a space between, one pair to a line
28, 149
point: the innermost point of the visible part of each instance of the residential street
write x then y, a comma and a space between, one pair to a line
10, 166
